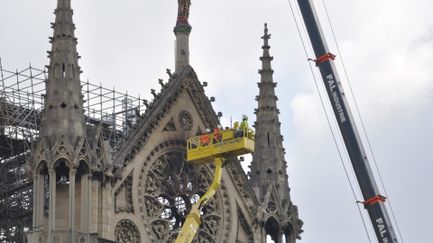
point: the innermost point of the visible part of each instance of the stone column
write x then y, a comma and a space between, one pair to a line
280, 238
288, 238
38, 200
52, 205
89, 200
72, 173
85, 203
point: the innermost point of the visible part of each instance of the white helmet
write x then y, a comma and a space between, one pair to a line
244, 117
207, 130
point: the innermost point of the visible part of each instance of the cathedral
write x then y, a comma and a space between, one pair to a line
84, 191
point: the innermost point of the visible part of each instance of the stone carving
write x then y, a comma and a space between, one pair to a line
185, 120
127, 232
152, 207
168, 189
62, 149
42, 154
152, 184
170, 126
272, 207
159, 229
83, 151
183, 9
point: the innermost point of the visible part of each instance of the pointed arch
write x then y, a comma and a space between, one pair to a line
41, 167
272, 228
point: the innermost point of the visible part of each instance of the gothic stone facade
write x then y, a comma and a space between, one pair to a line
142, 192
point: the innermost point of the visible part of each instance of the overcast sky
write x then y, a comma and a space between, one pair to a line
388, 51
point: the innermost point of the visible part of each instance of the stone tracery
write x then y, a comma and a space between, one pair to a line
127, 232
168, 189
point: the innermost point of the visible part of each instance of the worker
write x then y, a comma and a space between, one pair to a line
204, 138
244, 124
217, 134
236, 131
236, 125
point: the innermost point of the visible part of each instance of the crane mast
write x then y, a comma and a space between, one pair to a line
374, 202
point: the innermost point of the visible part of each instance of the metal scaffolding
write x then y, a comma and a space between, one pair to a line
21, 103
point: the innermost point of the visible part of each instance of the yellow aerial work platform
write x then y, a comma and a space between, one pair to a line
208, 148
205, 148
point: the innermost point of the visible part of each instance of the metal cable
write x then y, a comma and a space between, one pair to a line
360, 118
329, 122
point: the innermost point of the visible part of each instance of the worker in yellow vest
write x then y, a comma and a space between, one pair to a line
244, 125
244, 122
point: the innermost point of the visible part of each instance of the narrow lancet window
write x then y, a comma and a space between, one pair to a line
63, 70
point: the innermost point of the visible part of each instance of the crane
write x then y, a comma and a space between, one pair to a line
205, 149
374, 202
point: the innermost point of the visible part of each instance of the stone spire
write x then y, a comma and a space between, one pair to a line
268, 169
182, 31
63, 112
268, 166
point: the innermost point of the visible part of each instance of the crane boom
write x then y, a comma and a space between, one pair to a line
373, 200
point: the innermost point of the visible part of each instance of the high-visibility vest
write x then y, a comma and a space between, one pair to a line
217, 134
204, 139
244, 124
236, 125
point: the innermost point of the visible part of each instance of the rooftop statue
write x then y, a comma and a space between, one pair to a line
183, 11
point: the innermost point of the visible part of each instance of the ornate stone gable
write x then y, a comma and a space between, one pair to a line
163, 186
187, 82
271, 204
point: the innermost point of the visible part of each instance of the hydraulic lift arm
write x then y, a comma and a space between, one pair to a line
193, 221
373, 201
205, 149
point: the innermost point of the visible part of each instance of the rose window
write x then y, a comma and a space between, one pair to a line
168, 189
127, 232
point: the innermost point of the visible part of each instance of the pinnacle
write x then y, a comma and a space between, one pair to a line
269, 153
63, 112
266, 38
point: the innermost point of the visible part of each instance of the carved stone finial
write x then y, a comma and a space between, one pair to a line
153, 93
161, 82
266, 36
145, 102
169, 72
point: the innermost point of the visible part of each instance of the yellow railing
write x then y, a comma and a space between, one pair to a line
202, 149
